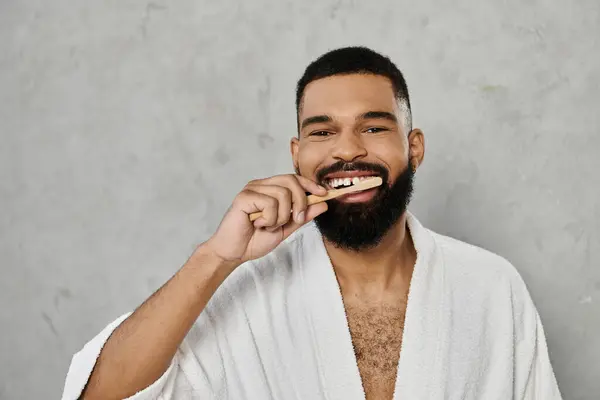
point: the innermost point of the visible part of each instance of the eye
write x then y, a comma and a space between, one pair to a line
375, 130
320, 133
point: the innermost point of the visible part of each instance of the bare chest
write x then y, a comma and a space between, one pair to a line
376, 333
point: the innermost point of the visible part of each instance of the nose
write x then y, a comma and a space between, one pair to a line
349, 147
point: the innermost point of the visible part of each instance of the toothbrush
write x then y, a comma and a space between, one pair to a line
365, 184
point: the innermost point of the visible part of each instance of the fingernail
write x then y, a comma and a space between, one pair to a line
300, 217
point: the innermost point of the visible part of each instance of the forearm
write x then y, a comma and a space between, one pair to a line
142, 347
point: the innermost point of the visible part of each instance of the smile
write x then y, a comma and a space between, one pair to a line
335, 183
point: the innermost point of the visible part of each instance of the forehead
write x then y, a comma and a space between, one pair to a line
348, 95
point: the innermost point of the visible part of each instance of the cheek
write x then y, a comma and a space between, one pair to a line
393, 155
310, 158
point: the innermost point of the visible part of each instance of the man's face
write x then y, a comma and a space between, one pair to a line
351, 126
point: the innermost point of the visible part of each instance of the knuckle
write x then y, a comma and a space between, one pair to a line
291, 179
280, 192
272, 202
287, 194
241, 197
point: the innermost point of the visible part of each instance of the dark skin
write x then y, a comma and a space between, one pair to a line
357, 118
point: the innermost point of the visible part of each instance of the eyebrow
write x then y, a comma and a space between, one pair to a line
378, 115
317, 119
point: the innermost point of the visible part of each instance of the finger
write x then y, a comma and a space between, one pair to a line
298, 185
306, 185
299, 200
311, 186
295, 196
249, 201
312, 212
283, 196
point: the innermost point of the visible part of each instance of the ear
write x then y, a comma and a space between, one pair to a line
294, 145
416, 148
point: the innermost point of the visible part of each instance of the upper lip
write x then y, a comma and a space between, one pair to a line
349, 174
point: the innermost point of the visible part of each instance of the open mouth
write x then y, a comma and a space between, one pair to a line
337, 183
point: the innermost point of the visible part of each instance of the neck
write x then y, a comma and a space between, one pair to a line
388, 266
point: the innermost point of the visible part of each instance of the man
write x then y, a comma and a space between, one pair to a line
349, 299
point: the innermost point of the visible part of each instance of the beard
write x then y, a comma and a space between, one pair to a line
362, 226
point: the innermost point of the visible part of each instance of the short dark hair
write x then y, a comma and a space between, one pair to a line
355, 60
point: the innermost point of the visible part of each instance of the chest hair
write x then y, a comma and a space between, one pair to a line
376, 333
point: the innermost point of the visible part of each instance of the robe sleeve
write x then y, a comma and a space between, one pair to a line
541, 383
84, 361
534, 376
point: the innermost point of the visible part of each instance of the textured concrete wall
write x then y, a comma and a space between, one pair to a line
128, 126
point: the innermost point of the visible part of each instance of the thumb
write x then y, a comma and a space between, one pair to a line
311, 213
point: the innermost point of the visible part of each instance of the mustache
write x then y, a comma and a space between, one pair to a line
342, 166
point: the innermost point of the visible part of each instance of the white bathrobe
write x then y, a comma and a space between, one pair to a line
277, 329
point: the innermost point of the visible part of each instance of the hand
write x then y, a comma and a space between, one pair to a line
282, 200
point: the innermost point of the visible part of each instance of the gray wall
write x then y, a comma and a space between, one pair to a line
128, 126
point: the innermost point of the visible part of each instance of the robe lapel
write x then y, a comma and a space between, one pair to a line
418, 369
331, 334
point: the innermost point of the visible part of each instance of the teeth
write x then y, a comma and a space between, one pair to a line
338, 182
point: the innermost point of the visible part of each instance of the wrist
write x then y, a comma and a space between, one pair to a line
205, 255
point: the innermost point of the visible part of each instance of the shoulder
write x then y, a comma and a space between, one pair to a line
482, 280
479, 268
465, 258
